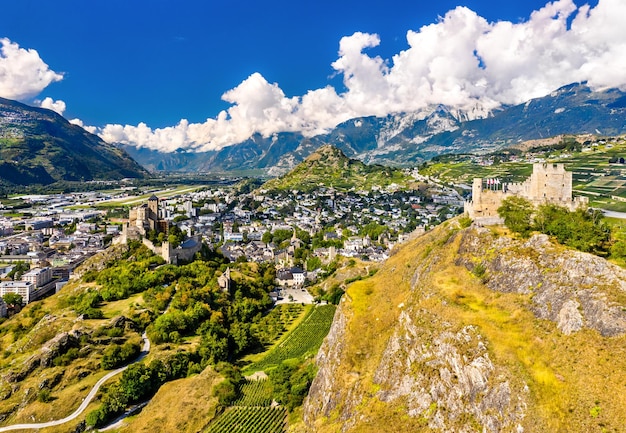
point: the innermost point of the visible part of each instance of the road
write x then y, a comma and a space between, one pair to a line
613, 214
144, 351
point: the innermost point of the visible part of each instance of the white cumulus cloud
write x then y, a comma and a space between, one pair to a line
51, 104
80, 123
23, 74
462, 61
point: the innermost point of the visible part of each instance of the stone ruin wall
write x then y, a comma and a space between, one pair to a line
549, 183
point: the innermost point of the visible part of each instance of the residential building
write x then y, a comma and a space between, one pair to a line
38, 276
23, 288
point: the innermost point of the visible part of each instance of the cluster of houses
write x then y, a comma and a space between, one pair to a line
34, 284
237, 223
56, 239
51, 244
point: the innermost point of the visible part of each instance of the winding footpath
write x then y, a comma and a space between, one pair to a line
144, 351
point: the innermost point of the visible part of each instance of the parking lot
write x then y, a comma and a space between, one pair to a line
288, 295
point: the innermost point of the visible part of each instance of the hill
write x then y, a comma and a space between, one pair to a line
407, 138
329, 167
37, 146
473, 330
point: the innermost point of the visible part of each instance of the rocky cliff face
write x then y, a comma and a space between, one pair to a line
567, 287
468, 330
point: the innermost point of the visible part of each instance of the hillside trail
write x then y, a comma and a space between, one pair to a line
33, 426
144, 352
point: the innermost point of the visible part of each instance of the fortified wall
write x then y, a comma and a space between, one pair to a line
549, 183
145, 218
184, 253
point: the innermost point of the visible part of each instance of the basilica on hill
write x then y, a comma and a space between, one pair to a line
145, 218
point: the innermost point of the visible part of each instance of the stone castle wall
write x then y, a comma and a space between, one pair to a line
549, 183
144, 218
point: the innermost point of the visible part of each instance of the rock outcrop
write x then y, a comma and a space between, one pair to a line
468, 330
568, 287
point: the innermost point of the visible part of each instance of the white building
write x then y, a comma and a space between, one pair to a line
298, 276
23, 288
233, 237
38, 276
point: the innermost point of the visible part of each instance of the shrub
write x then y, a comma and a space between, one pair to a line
479, 270
44, 396
517, 212
116, 355
465, 221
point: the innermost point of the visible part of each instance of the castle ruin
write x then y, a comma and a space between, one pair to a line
548, 183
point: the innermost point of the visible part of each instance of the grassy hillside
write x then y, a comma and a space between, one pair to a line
55, 350
426, 343
184, 405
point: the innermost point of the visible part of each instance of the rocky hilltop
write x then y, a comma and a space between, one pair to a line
472, 330
330, 167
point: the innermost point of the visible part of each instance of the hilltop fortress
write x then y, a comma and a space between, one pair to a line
145, 218
549, 183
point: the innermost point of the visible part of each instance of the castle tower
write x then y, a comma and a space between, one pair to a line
550, 183
153, 205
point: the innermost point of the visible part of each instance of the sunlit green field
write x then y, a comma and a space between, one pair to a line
604, 183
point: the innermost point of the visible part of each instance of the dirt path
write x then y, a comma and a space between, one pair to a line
144, 351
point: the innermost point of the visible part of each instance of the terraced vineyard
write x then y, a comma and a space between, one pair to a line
253, 411
244, 419
255, 393
305, 339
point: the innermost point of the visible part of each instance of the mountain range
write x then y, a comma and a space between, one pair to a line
38, 146
403, 139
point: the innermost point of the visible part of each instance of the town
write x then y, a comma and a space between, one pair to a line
45, 237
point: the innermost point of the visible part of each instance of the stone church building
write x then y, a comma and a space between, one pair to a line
144, 218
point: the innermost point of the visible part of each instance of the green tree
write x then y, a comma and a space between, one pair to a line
373, 230
580, 229
291, 382
517, 213
313, 263
18, 270
12, 299
267, 237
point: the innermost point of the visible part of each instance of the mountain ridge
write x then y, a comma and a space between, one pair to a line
403, 139
38, 146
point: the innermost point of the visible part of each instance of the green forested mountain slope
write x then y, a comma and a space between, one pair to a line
38, 146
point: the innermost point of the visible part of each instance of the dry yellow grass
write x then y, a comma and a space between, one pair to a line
184, 405
575, 383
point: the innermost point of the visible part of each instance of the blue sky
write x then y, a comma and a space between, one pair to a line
142, 66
